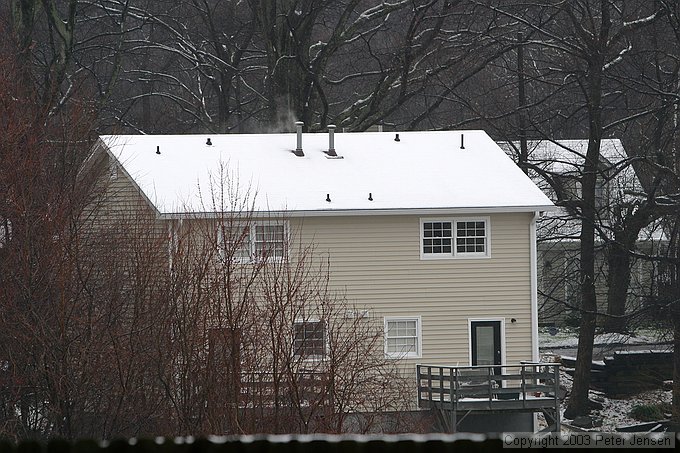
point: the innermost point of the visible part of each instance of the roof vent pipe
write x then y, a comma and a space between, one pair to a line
331, 140
396, 138
158, 149
298, 148
462, 142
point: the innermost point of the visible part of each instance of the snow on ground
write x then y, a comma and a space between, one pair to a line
550, 337
615, 412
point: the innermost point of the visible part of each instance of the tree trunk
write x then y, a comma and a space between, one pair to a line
578, 401
618, 282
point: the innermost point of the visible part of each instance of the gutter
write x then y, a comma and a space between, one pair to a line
364, 212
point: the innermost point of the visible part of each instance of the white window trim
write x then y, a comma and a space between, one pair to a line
455, 255
221, 247
251, 241
286, 240
419, 338
311, 358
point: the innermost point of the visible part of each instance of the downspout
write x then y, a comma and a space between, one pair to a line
534, 287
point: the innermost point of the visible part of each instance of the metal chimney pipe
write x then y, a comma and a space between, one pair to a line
331, 140
298, 149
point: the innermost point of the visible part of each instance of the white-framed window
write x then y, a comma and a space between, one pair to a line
234, 243
309, 339
257, 241
437, 237
270, 240
471, 237
455, 238
403, 337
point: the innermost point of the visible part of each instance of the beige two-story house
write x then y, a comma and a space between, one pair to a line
431, 233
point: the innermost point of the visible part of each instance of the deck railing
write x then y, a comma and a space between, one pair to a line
497, 387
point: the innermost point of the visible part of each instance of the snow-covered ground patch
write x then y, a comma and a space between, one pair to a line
551, 337
615, 412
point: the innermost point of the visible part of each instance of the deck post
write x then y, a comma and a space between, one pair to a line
452, 390
441, 386
556, 383
524, 386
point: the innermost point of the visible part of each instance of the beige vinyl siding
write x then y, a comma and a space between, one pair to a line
376, 261
119, 217
117, 199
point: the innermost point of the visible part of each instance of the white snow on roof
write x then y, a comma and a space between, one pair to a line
567, 157
424, 170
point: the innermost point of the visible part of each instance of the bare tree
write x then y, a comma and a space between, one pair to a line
585, 44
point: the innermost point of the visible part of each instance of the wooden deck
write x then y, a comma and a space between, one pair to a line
457, 391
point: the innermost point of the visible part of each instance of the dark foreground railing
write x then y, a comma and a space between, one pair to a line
347, 443
271, 444
531, 387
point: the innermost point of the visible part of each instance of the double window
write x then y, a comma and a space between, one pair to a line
309, 339
403, 337
260, 241
454, 238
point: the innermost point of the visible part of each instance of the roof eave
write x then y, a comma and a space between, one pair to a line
367, 212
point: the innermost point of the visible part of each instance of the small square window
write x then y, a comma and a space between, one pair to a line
402, 337
235, 243
470, 237
309, 339
270, 241
437, 237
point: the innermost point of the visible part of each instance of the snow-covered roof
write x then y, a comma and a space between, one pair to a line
422, 171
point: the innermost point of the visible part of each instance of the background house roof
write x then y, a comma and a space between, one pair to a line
567, 158
424, 170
